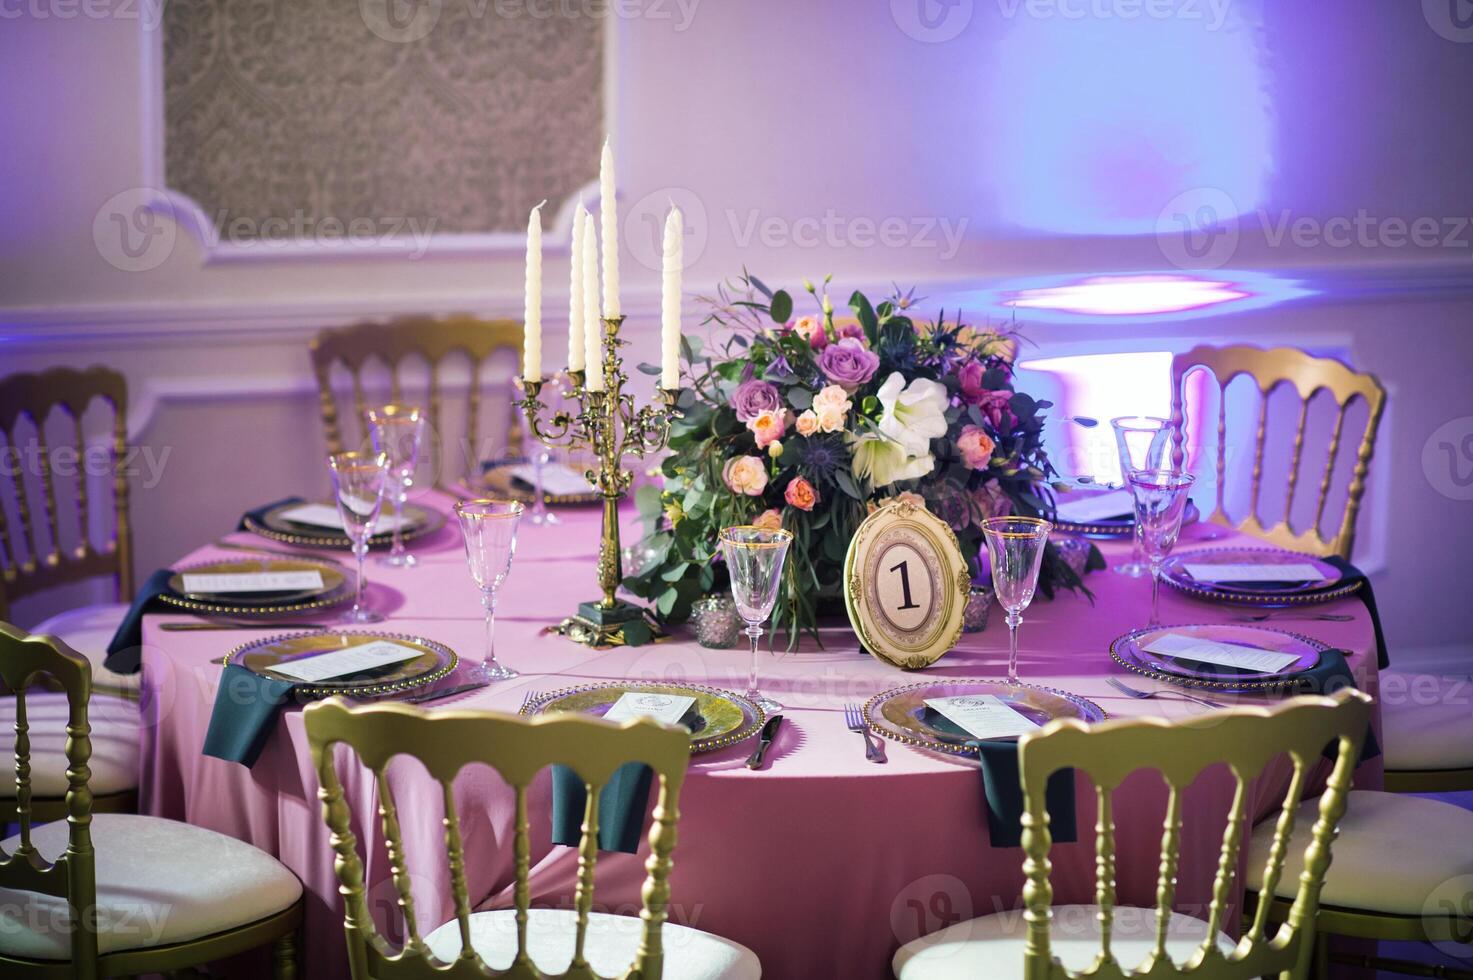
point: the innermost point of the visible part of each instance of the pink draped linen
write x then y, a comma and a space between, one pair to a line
821, 862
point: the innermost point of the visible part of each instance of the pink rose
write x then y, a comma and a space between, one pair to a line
994, 406
800, 494
810, 328
745, 475
976, 447
768, 427
807, 424
770, 519
970, 377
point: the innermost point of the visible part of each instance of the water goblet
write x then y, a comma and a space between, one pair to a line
1160, 501
754, 559
541, 516
1141, 442
1015, 546
396, 431
490, 531
359, 480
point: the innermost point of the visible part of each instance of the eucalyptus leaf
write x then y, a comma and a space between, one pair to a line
782, 306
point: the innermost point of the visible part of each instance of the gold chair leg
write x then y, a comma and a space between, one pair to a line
284, 958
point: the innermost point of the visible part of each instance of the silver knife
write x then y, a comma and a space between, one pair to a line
769, 732
445, 692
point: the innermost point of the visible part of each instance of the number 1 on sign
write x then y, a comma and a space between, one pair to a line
904, 569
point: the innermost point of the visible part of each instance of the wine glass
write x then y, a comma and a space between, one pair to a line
1142, 442
541, 516
359, 480
490, 531
754, 559
1015, 546
1160, 500
396, 431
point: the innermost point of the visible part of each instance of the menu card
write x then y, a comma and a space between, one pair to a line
1091, 507
1222, 654
326, 515
982, 715
558, 480
349, 660
1283, 572
667, 709
231, 582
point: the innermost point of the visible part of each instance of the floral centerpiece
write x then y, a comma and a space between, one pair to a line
810, 422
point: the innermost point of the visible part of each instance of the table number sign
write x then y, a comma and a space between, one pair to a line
905, 585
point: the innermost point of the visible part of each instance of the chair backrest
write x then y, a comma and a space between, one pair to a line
517, 748
1308, 375
32, 555
25, 660
1246, 740
421, 337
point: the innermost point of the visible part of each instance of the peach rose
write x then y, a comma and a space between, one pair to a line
768, 426
769, 519
800, 494
831, 406
810, 328
807, 424
911, 497
976, 448
745, 475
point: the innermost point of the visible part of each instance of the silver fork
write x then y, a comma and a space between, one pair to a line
527, 699
1131, 692
854, 720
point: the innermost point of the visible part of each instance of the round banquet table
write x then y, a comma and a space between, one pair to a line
821, 862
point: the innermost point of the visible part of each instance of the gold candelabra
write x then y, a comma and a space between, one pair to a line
609, 425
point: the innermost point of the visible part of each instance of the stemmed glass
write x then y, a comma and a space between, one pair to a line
754, 559
396, 431
1015, 546
358, 483
541, 456
1141, 441
1160, 500
490, 531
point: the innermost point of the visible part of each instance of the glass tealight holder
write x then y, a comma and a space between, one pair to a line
716, 622
1075, 552
979, 602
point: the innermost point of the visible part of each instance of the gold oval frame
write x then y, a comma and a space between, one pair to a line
950, 597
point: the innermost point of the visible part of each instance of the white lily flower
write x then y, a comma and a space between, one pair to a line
914, 413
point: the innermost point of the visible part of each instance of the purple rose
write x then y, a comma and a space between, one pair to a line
994, 405
970, 376
847, 364
754, 397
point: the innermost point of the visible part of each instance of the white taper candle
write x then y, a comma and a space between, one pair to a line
575, 293
532, 309
673, 251
609, 211
593, 332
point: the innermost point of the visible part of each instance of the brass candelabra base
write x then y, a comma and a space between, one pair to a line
623, 624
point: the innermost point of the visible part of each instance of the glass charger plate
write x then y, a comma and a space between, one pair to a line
1333, 586
1128, 651
334, 588
435, 661
421, 521
722, 718
500, 481
900, 713
1110, 527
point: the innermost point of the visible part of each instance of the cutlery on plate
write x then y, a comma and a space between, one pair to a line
1131, 692
769, 732
262, 625
445, 692
1318, 617
527, 699
854, 720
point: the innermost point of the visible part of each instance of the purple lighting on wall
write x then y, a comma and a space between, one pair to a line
1142, 295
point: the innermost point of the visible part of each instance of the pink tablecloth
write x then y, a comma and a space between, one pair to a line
822, 862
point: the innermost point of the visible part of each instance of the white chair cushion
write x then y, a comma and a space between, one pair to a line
610, 947
158, 882
114, 763
1392, 853
88, 630
1426, 729
992, 945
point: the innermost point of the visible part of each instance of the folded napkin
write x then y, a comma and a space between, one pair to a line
1368, 598
125, 649
622, 804
245, 711
258, 515
1002, 789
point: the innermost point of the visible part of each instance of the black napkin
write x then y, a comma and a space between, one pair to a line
124, 650
245, 711
258, 516
622, 804
1002, 789
1368, 598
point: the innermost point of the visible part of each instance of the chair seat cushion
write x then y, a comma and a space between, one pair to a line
612, 940
88, 630
992, 945
115, 732
1426, 732
158, 882
1392, 853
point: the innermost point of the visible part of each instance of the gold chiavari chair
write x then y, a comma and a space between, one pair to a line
33, 555
1307, 375
104, 894
521, 941
1106, 941
410, 338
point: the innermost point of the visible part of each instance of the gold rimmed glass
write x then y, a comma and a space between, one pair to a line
359, 480
1015, 546
1160, 501
397, 431
1142, 442
754, 559
489, 528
